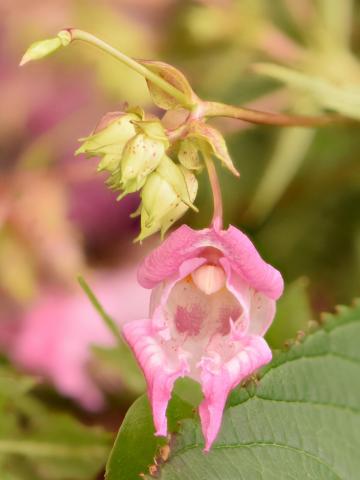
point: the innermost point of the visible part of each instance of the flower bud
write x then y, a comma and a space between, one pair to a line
109, 141
141, 156
43, 48
174, 175
158, 197
161, 206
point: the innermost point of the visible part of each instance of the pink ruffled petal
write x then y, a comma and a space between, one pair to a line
165, 260
219, 377
246, 261
161, 367
185, 243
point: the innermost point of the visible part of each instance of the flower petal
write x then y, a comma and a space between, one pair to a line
218, 379
185, 243
246, 261
258, 309
165, 260
161, 367
261, 314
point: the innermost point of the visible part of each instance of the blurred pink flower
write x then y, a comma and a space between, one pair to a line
212, 301
55, 336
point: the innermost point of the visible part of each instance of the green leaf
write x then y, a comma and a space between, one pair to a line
39, 444
301, 421
121, 364
13, 384
293, 313
136, 447
173, 76
109, 322
344, 99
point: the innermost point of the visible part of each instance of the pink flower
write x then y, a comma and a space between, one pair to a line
212, 301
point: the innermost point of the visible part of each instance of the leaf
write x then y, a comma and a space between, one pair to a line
136, 446
121, 364
290, 151
344, 99
213, 139
39, 444
13, 384
301, 421
173, 76
293, 313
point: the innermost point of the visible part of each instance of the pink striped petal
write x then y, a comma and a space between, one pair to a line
162, 363
217, 379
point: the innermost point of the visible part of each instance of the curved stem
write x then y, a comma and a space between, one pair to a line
215, 109
217, 220
77, 34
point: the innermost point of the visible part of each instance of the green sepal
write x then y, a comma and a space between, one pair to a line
212, 140
131, 187
154, 130
109, 162
173, 76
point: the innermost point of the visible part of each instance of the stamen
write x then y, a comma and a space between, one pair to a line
209, 278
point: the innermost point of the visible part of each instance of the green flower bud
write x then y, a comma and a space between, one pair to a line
109, 141
43, 48
173, 174
161, 206
158, 197
141, 156
172, 216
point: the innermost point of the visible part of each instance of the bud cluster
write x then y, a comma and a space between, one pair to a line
132, 150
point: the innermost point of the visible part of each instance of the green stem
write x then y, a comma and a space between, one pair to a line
98, 307
215, 109
130, 62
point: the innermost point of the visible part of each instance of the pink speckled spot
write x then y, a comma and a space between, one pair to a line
188, 320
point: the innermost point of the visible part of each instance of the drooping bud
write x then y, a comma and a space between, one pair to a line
109, 139
142, 155
175, 214
209, 278
161, 206
174, 175
43, 48
158, 198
